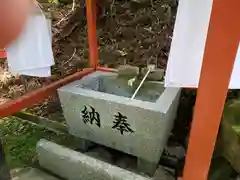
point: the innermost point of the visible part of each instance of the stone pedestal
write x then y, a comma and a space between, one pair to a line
99, 108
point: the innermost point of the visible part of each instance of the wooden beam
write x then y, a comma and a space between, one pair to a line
29, 99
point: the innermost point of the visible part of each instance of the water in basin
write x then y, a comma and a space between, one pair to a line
110, 83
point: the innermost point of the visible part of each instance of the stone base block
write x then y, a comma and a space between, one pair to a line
74, 165
99, 108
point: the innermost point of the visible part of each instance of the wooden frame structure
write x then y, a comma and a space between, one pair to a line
220, 52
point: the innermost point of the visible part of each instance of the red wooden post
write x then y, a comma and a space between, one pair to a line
220, 53
92, 32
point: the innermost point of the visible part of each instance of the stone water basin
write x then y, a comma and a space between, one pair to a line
99, 108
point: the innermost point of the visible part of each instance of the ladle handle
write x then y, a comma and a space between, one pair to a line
140, 85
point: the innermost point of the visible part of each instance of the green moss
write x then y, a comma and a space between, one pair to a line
20, 138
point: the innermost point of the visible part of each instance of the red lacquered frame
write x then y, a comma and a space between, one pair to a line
220, 52
3, 54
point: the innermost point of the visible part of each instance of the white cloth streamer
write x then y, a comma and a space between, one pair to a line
31, 54
188, 44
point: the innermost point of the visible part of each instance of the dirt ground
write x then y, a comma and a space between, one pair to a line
131, 33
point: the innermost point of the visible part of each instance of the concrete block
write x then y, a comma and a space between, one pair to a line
74, 165
99, 108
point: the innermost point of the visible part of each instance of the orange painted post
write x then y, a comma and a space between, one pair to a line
220, 52
92, 32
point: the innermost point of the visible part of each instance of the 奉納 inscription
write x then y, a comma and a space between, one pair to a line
90, 115
121, 124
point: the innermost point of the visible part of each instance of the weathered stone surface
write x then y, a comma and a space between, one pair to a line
150, 116
74, 165
30, 174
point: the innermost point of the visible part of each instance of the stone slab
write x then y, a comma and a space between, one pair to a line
74, 165
148, 119
30, 174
